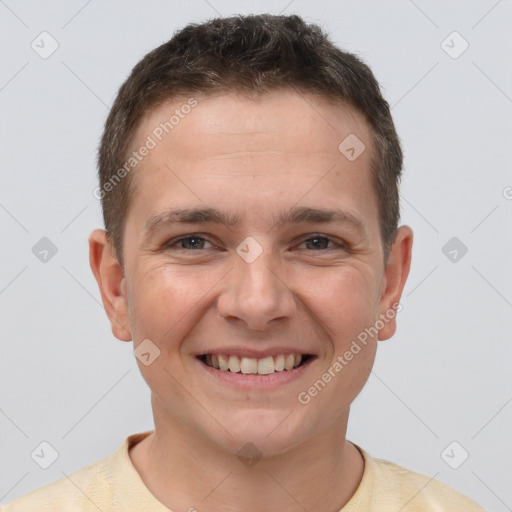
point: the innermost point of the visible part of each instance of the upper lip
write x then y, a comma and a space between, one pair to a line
252, 353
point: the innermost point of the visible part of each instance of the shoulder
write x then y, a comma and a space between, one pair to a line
395, 486
87, 489
110, 483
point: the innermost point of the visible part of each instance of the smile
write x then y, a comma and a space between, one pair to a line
250, 365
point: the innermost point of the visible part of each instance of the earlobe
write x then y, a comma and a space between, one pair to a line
110, 278
395, 277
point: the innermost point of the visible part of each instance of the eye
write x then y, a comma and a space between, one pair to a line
320, 242
189, 242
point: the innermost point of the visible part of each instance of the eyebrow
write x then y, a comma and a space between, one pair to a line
295, 215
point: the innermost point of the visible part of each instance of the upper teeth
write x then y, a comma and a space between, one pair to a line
247, 365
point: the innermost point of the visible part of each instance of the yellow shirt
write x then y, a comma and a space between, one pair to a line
112, 484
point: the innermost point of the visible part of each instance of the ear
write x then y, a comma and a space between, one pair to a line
110, 278
393, 282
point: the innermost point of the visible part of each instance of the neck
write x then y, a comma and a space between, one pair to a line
326, 470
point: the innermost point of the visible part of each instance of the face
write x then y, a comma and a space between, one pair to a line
252, 263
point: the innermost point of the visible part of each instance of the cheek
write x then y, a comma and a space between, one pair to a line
163, 304
165, 301
344, 302
355, 343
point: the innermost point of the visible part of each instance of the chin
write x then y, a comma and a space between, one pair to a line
267, 433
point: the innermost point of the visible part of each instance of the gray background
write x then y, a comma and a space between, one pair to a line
444, 377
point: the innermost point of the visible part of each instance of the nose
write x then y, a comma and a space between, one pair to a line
256, 294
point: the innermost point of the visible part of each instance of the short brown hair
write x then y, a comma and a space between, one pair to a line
252, 54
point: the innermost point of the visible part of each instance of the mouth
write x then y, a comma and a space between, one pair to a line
268, 365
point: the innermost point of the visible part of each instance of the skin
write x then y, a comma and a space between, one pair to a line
257, 158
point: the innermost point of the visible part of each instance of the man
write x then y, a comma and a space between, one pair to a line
249, 177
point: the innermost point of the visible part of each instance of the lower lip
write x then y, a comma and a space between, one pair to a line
254, 381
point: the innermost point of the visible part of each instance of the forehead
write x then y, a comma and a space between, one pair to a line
209, 148
303, 121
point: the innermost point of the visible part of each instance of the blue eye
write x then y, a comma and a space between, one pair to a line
194, 242
319, 242
315, 243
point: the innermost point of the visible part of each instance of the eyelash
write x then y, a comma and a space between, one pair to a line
169, 245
